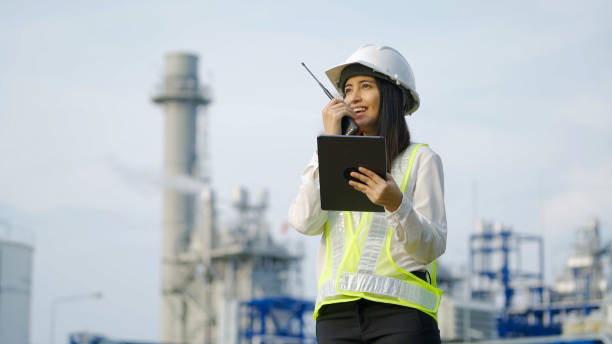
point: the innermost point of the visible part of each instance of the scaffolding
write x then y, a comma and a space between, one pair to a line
273, 320
498, 276
496, 253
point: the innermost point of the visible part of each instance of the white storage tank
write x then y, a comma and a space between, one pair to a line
15, 290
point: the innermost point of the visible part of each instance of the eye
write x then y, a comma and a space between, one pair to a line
366, 85
347, 90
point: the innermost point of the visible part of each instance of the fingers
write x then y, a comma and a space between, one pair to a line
368, 191
359, 186
334, 101
341, 110
369, 185
378, 190
362, 177
373, 176
336, 104
332, 115
340, 106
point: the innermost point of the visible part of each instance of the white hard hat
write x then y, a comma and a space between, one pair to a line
384, 62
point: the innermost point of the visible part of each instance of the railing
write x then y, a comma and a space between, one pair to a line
182, 89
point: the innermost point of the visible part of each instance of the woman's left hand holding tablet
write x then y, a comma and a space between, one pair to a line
383, 192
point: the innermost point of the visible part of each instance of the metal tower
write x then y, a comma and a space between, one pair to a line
180, 95
584, 278
248, 265
496, 268
207, 274
495, 262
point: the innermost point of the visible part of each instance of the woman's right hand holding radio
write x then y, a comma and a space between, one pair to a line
332, 116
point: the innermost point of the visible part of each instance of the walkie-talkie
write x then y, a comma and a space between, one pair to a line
347, 125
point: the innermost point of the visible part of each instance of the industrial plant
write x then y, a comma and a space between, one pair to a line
236, 285
217, 287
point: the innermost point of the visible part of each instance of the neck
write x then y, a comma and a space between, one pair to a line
369, 132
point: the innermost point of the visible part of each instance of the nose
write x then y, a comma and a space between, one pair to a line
354, 97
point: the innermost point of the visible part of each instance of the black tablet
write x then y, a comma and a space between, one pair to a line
338, 156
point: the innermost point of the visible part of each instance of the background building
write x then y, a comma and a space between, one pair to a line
15, 287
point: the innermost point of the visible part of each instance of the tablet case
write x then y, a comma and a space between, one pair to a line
338, 156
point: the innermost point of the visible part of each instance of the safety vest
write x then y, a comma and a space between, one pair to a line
354, 269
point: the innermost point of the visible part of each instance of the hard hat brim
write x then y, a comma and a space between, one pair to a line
334, 75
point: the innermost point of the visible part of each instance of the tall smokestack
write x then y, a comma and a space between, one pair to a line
180, 95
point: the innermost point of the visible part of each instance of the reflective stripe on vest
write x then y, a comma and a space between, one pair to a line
350, 274
388, 286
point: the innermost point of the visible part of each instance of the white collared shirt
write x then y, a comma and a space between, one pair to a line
419, 224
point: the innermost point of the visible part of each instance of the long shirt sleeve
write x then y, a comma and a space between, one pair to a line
305, 213
419, 224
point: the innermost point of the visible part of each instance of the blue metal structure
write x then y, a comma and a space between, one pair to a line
88, 338
272, 320
492, 254
275, 320
530, 322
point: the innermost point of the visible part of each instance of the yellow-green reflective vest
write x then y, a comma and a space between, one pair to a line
354, 270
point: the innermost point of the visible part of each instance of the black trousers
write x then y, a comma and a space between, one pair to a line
365, 321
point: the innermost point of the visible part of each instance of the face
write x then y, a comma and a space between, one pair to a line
362, 95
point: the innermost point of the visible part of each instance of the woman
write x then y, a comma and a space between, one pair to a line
377, 270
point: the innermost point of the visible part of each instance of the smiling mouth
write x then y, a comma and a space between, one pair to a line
359, 110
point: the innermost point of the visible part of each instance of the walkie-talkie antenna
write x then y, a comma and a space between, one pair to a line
331, 96
348, 125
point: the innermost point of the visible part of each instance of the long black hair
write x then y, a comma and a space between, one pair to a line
391, 120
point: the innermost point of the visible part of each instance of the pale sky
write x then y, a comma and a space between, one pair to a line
515, 97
